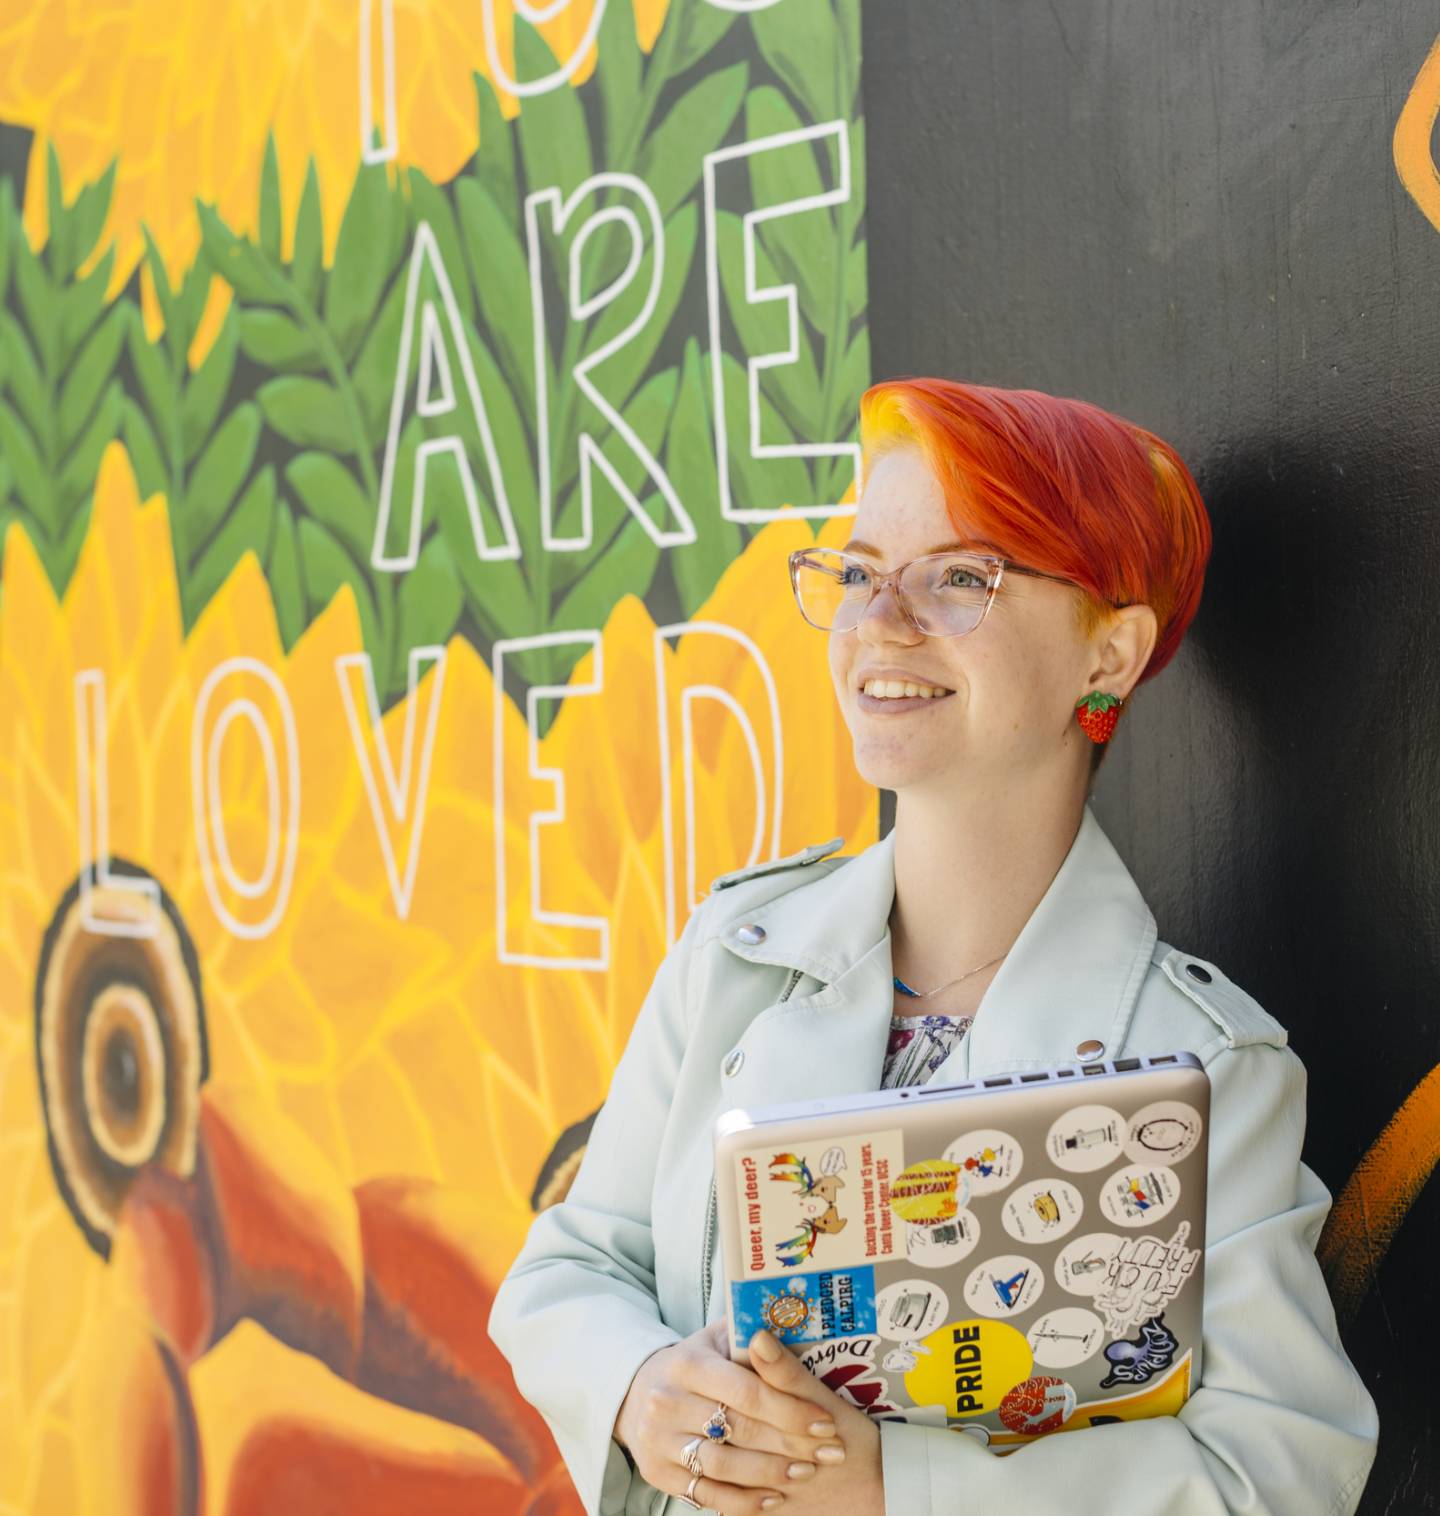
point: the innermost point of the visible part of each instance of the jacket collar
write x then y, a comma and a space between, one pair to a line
1073, 973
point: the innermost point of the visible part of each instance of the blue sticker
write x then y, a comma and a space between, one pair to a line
806, 1307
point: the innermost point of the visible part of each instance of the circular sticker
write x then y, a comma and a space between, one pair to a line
787, 1310
925, 1191
966, 1366
1086, 1138
976, 1429
989, 1159
1165, 1131
1004, 1286
1042, 1210
1065, 1336
910, 1308
936, 1244
1084, 1262
1139, 1194
1038, 1405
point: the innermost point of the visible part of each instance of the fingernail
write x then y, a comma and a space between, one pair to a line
770, 1500
822, 1428
830, 1453
763, 1345
800, 1470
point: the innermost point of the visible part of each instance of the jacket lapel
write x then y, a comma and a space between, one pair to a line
1073, 973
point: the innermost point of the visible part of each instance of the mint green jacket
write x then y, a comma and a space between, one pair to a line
1281, 1424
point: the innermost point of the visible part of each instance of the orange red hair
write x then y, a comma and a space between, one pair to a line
1059, 484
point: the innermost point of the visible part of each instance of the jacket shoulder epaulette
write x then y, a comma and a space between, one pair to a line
1238, 1015
775, 865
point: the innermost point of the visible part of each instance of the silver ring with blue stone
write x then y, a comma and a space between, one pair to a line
717, 1429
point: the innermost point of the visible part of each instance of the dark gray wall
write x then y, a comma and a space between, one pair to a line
1189, 213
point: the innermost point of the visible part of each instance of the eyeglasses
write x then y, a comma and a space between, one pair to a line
941, 594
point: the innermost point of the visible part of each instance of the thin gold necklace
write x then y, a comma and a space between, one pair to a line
925, 994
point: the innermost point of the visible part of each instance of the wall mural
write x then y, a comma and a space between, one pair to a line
405, 415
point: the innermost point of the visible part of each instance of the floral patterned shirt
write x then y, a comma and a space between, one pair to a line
918, 1046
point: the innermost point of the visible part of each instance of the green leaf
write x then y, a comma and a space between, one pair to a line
802, 244
246, 528
223, 467
59, 245
194, 292
851, 380
282, 569
309, 239
208, 387
87, 216
307, 412
270, 200
626, 567
690, 462
156, 382
9, 229
430, 597
702, 27
759, 483
619, 76
429, 205
91, 369
800, 40
235, 259
502, 284
27, 384
177, 337
618, 375
328, 492
373, 374
81, 303
276, 341
674, 152
496, 589
494, 162
362, 258
554, 139
77, 478
857, 281
33, 482
37, 303
327, 566
151, 474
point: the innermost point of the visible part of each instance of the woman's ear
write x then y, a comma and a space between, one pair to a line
1122, 648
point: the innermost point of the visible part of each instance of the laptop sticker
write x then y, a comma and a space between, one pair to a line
925, 1192
1087, 1138
1042, 1210
1162, 1396
938, 1244
1143, 1278
1165, 1131
1083, 1265
1140, 1194
806, 1307
1067, 1335
819, 1357
910, 1308
988, 1158
1004, 1286
862, 1387
819, 1207
1134, 1361
1042, 1404
968, 1366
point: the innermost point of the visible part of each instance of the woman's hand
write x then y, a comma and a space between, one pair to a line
852, 1488
778, 1437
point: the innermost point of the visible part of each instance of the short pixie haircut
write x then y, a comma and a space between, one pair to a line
1062, 485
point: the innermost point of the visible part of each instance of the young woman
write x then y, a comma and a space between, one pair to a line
1020, 563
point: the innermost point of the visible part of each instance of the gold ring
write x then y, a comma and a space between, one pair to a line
689, 1496
690, 1455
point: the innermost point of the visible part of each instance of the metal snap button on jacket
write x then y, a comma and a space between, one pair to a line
1196, 972
750, 933
1092, 1047
733, 1062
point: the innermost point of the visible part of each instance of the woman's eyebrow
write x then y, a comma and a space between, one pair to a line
856, 546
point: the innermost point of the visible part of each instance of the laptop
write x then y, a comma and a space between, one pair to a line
1007, 1258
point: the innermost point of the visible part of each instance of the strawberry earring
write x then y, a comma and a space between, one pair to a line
1097, 714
